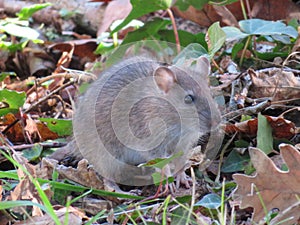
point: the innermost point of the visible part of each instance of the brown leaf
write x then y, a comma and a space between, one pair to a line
15, 133
83, 175
276, 188
263, 9
74, 217
115, 10
281, 127
36, 131
274, 83
227, 16
25, 190
31, 128
45, 132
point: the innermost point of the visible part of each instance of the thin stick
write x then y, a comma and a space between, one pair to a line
175, 29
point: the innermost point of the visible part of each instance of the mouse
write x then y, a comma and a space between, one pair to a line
142, 109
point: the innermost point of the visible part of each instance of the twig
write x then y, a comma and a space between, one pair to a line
175, 29
251, 110
49, 95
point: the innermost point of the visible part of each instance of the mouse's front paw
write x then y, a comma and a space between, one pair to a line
184, 179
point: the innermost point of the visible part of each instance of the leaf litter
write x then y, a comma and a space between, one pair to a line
273, 91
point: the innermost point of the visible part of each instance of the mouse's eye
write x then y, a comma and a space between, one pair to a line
188, 99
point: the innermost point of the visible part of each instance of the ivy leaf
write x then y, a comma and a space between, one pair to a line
33, 153
215, 38
210, 201
11, 101
60, 126
235, 162
261, 27
20, 31
27, 12
184, 4
149, 30
141, 8
264, 27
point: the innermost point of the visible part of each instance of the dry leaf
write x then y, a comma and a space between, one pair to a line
275, 83
74, 216
83, 175
16, 132
277, 188
227, 17
45, 132
25, 190
31, 129
94, 205
281, 127
263, 9
115, 10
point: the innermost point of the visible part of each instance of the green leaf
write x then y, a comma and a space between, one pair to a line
60, 126
141, 8
33, 153
20, 31
180, 215
133, 23
104, 47
210, 201
11, 101
162, 162
158, 178
233, 33
236, 48
260, 27
3, 75
264, 135
192, 51
12, 47
241, 143
184, 4
27, 12
185, 38
216, 37
271, 55
235, 162
245, 118
265, 27
148, 31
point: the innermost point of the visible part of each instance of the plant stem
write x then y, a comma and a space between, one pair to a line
244, 50
248, 9
243, 9
175, 29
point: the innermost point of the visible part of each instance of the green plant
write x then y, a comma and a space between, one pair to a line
19, 27
156, 29
46, 207
271, 31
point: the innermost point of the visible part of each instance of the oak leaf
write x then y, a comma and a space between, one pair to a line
271, 187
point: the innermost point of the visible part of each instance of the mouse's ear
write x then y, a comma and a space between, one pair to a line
164, 78
203, 66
